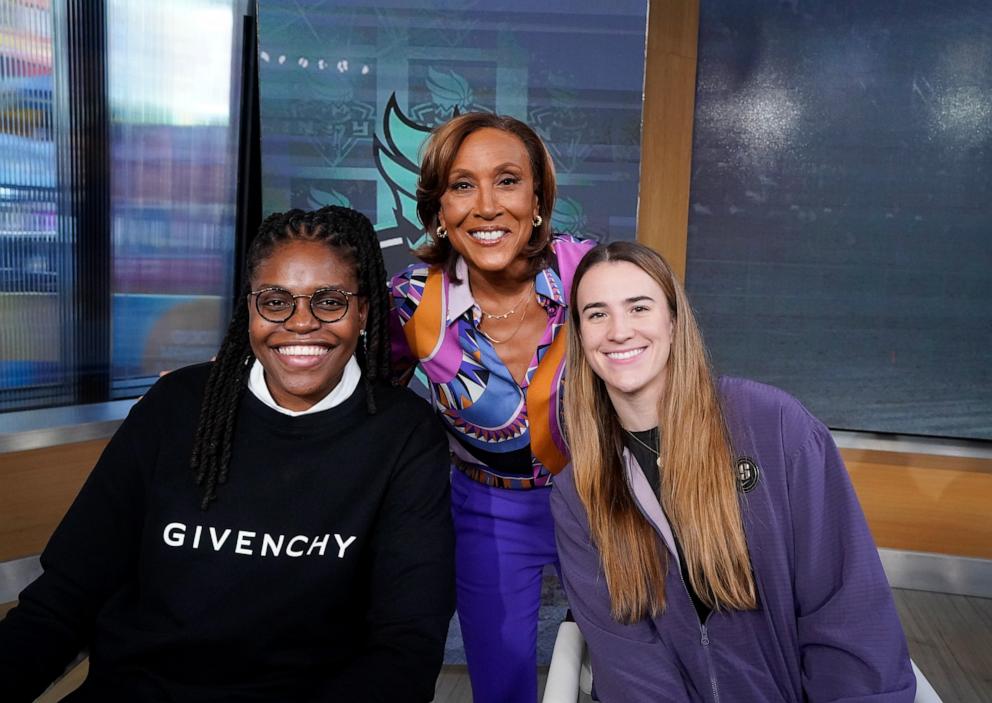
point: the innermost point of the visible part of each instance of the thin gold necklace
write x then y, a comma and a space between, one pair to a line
511, 311
512, 335
646, 446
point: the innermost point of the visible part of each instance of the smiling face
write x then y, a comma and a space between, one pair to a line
489, 204
303, 357
626, 329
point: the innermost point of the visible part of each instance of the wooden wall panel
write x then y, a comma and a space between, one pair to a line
925, 503
666, 139
36, 488
918, 502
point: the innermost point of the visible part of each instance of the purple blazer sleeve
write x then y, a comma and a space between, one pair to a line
852, 646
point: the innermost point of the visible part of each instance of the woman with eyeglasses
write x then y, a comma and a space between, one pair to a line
272, 526
712, 547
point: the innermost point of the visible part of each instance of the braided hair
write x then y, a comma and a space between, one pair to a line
351, 235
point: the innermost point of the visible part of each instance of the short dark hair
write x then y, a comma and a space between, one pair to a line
439, 154
347, 232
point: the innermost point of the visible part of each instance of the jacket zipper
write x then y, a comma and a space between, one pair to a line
704, 638
705, 641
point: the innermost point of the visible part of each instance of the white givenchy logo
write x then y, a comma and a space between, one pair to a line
174, 535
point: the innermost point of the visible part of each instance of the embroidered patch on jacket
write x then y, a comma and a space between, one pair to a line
747, 474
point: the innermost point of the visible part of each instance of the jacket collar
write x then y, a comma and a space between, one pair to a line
648, 503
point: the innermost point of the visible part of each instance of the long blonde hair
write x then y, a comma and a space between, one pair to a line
698, 486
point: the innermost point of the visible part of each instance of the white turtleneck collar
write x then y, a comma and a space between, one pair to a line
341, 392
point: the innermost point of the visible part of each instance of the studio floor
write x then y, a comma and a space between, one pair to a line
950, 639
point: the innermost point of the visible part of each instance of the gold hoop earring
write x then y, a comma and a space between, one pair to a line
538, 221
441, 232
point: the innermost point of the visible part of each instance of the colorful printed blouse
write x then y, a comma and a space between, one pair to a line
509, 433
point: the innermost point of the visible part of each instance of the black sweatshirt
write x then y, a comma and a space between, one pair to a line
324, 571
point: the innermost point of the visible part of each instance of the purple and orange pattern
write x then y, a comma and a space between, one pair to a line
496, 426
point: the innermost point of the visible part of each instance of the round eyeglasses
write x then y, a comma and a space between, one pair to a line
278, 304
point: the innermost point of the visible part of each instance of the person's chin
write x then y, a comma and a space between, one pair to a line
304, 392
493, 257
484, 264
625, 384
304, 378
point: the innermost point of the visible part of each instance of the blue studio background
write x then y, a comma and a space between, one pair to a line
840, 240
349, 91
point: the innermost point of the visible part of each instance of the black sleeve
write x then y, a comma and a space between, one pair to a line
412, 590
92, 552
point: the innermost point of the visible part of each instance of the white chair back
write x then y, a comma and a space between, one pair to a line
570, 672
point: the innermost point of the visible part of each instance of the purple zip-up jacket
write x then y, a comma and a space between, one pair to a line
826, 627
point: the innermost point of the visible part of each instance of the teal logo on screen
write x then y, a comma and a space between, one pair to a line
450, 94
397, 158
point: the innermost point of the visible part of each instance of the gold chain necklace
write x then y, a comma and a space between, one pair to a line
646, 446
512, 335
511, 311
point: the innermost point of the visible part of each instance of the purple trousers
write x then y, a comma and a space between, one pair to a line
503, 540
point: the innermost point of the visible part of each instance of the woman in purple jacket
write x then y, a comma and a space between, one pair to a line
711, 544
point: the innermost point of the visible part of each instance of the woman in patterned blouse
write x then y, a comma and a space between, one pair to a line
482, 316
